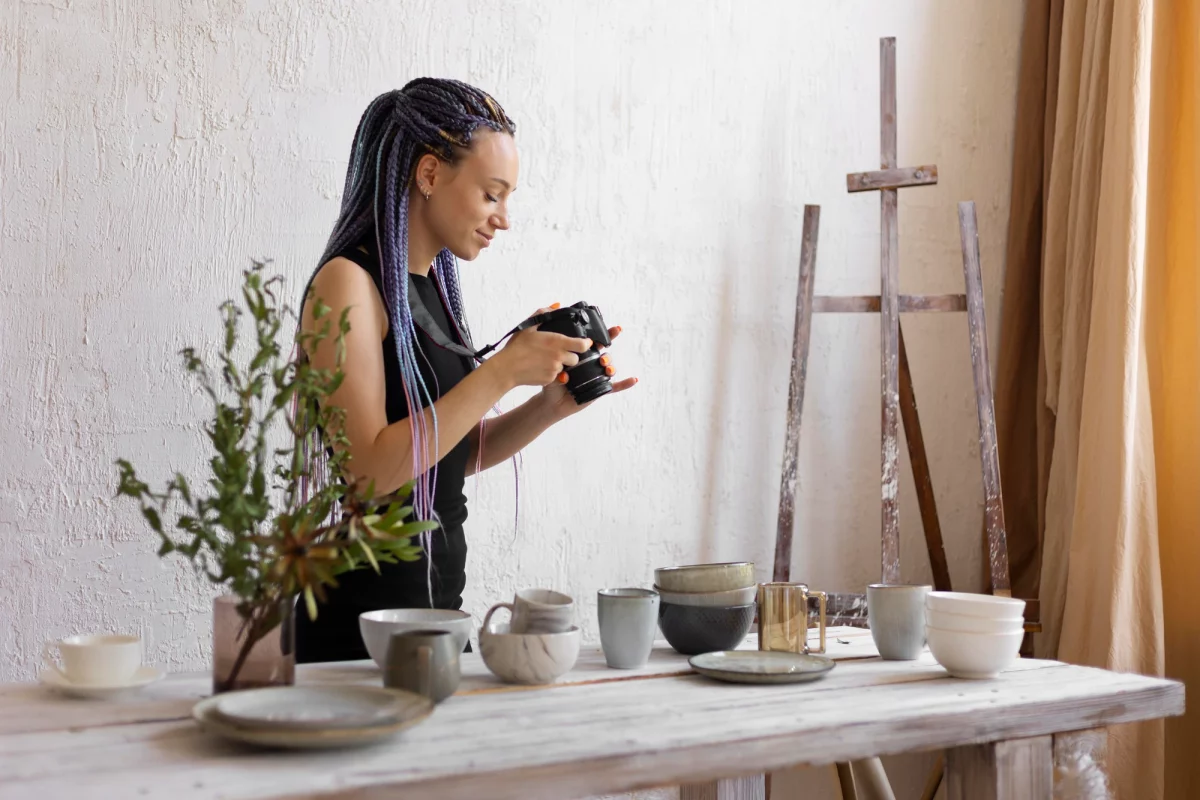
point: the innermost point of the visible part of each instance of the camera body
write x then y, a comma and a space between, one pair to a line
587, 380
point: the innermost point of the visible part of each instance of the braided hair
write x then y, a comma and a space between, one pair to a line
428, 115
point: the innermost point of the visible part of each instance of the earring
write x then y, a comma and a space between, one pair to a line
425, 192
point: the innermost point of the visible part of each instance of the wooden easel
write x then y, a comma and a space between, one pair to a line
897, 396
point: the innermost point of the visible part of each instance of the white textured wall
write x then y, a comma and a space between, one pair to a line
150, 149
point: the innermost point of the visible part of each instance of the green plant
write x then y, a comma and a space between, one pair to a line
263, 552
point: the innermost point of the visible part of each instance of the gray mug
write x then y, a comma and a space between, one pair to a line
896, 615
628, 621
423, 661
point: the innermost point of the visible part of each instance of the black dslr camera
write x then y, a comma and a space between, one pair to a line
587, 380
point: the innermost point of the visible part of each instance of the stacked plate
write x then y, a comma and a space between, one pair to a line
704, 608
974, 635
311, 717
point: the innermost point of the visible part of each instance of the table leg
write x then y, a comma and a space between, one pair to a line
748, 787
1019, 769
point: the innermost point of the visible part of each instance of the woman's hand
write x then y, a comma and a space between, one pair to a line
559, 403
536, 358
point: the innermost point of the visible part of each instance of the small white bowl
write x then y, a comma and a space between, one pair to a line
976, 605
377, 627
733, 597
968, 624
973, 655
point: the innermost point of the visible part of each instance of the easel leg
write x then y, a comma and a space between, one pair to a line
993, 499
791, 442
921, 477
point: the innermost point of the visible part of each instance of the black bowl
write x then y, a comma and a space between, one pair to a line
693, 630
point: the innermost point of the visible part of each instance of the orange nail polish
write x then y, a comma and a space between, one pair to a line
562, 377
610, 371
605, 361
556, 305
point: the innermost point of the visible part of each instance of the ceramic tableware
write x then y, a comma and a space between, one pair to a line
310, 708
628, 621
783, 617
733, 597
425, 662
759, 666
414, 709
692, 630
722, 577
539, 611
896, 615
530, 658
974, 655
377, 627
969, 624
142, 677
105, 659
976, 605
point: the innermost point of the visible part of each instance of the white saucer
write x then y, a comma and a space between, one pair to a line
145, 676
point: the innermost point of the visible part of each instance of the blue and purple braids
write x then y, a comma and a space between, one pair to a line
428, 115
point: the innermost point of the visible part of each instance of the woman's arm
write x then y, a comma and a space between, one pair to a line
512, 431
382, 452
509, 433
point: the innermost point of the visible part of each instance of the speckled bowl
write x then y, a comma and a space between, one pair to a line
692, 630
723, 577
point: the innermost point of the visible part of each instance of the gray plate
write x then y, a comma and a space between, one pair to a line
761, 666
314, 708
418, 708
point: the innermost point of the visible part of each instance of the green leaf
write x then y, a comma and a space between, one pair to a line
152, 517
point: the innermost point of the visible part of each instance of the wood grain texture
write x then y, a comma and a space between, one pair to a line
802, 330
1019, 769
898, 178
889, 325
869, 303
922, 480
889, 320
997, 543
887, 102
601, 738
750, 787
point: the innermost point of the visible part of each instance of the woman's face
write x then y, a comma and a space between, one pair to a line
468, 201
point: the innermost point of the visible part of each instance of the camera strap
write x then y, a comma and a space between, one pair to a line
425, 321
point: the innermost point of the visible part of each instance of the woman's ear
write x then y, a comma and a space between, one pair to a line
427, 173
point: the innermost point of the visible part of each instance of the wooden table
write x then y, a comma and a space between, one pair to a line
599, 731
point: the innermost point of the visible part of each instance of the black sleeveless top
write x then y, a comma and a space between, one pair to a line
335, 635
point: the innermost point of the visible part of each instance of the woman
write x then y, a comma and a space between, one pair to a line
431, 171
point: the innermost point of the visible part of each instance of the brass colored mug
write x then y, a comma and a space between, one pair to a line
783, 617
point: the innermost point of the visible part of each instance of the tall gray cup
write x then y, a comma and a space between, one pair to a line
425, 662
628, 622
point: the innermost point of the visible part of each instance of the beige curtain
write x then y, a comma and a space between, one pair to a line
1098, 354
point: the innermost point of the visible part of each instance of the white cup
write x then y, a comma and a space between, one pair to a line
104, 659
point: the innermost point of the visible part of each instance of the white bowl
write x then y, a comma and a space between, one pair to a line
976, 605
968, 624
377, 627
973, 655
733, 597
531, 658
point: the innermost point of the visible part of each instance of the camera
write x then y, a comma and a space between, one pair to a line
587, 380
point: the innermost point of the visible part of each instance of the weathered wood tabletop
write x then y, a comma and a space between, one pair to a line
597, 731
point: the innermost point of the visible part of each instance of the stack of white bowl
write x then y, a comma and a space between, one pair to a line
974, 635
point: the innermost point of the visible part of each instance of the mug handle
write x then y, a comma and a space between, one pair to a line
425, 670
49, 659
820, 621
487, 619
